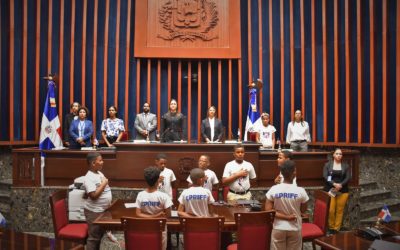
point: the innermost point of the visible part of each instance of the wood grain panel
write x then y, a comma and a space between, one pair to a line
49, 36
199, 101
282, 53
83, 56
219, 88
72, 54
11, 68
148, 80
398, 75
61, 62
249, 45
138, 61
127, 64
271, 65
291, 44
372, 70
105, 62
24, 66
37, 67
228, 134
324, 72
158, 92
336, 70
313, 72
209, 82
169, 82
116, 76
240, 94
189, 108
359, 73
179, 86
260, 51
347, 73
384, 71
94, 66
302, 45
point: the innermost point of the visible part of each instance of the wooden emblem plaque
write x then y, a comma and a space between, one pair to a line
187, 29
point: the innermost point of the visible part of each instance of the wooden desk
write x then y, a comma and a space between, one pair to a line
111, 219
348, 240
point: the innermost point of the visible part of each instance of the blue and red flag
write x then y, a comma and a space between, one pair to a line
253, 115
384, 214
50, 131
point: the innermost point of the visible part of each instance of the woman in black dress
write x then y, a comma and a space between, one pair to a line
173, 124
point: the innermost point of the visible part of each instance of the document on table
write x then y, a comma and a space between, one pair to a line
130, 205
174, 213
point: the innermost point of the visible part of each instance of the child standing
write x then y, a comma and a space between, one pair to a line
195, 200
288, 200
282, 157
99, 198
152, 203
167, 176
211, 180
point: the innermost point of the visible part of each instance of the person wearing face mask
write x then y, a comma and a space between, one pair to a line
211, 127
146, 124
298, 133
73, 115
81, 130
337, 176
173, 124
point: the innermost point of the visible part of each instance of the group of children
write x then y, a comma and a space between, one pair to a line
156, 200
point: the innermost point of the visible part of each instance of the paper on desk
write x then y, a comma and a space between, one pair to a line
174, 213
130, 205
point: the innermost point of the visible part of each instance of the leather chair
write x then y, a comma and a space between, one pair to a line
63, 229
202, 233
254, 230
143, 233
319, 226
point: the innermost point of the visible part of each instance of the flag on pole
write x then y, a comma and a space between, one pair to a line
50, 131
2, 221
253, 115
384, 214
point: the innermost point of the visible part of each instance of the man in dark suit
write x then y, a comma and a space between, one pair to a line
212, 129
146, 124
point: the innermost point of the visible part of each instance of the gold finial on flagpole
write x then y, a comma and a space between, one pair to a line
51, 77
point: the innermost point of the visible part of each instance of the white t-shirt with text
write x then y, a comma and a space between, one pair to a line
210, 181
91, 183
165, 185
154, 202
241, 184
196, 200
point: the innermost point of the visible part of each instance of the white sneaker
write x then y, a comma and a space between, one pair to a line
111, 237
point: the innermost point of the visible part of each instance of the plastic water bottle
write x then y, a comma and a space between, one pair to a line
238, 138
279, 145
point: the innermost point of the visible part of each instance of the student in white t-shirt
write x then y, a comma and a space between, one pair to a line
237, 175
211, 180
282, 157
167, 176
195, 201
99, 198
152, 203
266, 132
289, 201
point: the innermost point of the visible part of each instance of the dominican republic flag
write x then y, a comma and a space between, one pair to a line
50, 131
253, 116
384, 214
2, 221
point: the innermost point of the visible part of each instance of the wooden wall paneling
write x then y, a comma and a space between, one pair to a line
105, 62
219, 89
260, 51
372, 70
24, 66
117, 35
302, 45
189, 108
199, 101
169, 82
249, 45
324, 72
359, 74
398, 74
282, 53
138, 85
384, 71
72, 54
83, 56
37, 67
347, 73
291, 44
271, 64
49, 36
228, 134
240, 94
148, 96
179, 86
127, 64
313, 76
11, 68
94, 68
336, 69
61, 62
209, 83
158, 93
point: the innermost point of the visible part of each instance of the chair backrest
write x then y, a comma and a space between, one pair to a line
125, 135
321, 209
251, 136
202, 233
143, 233
59, 211
254, 229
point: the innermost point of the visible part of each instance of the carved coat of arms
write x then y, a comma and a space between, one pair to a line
188, 19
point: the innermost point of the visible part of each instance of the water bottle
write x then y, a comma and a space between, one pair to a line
238, 133
279, 145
